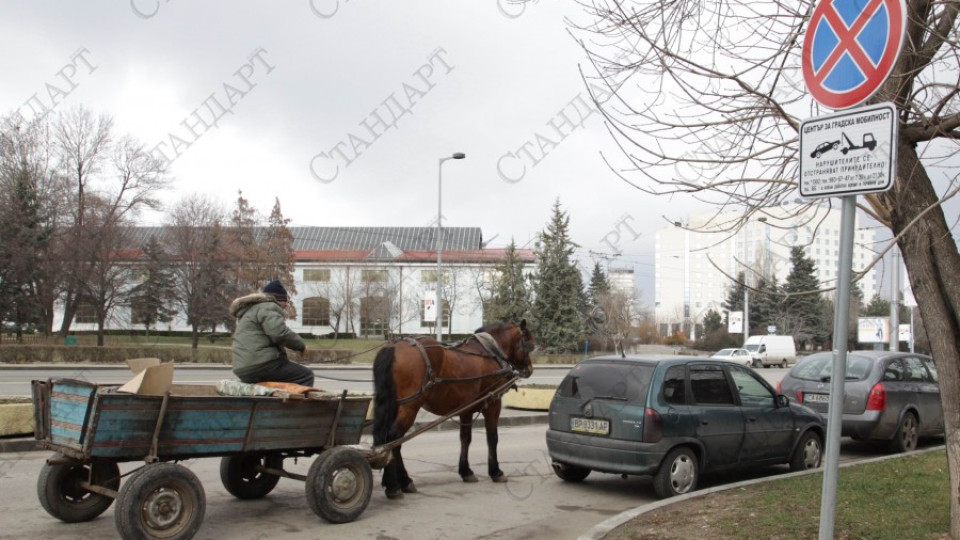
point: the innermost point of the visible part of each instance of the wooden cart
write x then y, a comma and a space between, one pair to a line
93, 428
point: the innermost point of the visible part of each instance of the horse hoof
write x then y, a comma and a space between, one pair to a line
395, 494
409, 488
470, 478
499, 479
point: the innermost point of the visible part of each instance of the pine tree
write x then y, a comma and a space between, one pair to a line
559, 300
765, 305
599, 286
803, 307
734, 301
154, 295
510, 298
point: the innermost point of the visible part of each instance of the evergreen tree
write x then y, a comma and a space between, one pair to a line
510, 298
765, 305
278, 246
878, 307
734, 300
559, 300
599, 286
712, 322
154, 295
803, 307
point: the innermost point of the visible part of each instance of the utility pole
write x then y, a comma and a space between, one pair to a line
895, 302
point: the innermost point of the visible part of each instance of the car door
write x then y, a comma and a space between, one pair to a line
719, 421
934, 379
927, 395
768, 429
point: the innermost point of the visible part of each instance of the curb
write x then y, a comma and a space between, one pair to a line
17, 445
603, 528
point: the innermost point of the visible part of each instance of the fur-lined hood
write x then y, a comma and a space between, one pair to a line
238, 306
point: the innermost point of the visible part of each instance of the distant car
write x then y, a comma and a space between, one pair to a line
824, 147
672, 418
740, 356
890, 397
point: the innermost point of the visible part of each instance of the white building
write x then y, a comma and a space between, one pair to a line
694, 267
371, 281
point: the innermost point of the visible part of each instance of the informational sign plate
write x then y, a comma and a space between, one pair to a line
849, 153
850, 49
873, 329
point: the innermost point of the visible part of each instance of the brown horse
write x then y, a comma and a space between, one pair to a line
414, 373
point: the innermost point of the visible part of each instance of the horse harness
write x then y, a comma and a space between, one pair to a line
430, 379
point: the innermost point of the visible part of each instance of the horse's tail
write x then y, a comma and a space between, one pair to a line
385, 396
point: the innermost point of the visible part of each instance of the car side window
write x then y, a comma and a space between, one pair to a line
932, 368
709, 385
674, 386
893, 371
914, 369
753, 393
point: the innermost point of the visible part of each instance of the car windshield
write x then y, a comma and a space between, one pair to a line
752, 347
819, 367
724, 352
619, 381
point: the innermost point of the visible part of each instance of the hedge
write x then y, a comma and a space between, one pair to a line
82, 354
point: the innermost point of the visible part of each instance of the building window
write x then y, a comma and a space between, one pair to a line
374, 276
316, 311
317, 274
139, 311
446, 316
86, 314
430, 276
374, 315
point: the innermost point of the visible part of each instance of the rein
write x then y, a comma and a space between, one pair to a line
431, 379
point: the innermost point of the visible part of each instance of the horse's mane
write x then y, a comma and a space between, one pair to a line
492, 326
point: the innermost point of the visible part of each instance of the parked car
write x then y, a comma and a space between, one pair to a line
740, 356
672, 418
890, 397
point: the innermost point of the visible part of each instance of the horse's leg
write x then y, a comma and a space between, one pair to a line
466, 433
491, 416
396, 481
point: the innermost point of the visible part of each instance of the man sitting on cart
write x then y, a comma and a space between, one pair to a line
262, 337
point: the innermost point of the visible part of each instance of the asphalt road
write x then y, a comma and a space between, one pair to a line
15, 379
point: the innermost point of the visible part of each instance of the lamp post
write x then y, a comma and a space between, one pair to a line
439, 323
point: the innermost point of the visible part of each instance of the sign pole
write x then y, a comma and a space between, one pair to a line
841, 329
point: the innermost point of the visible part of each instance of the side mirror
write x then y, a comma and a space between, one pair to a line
782, 401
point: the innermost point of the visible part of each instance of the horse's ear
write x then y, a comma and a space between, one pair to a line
523, 324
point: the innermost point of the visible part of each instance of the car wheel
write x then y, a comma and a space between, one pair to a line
809, 453
907, 435
678, 473
570, 473
756, 363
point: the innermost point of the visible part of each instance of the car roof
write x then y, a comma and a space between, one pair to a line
875, 355
648, 359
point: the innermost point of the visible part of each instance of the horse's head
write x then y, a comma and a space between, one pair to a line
517, 343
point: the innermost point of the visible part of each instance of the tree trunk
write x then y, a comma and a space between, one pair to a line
931, 256
195, 337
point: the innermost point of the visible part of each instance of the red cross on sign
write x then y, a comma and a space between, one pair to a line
850, 49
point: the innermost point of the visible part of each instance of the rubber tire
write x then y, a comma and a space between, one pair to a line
570, 473
160, 484
907, 435
61, 496
339, 485
809, 447
241, 479
678, 473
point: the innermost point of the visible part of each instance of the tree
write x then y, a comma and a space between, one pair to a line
878, 307
558, 287
712, 322
734, 300
152, 298
803, 305
510, 296
599, 285
720, 87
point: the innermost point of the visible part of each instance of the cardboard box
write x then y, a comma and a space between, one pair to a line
151, 378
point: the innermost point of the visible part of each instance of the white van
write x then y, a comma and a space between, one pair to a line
772, 350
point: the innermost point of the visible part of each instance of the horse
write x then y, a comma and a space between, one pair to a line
414, 373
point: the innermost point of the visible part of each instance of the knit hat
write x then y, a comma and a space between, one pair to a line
276, 289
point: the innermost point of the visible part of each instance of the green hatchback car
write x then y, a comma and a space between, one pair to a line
673, 418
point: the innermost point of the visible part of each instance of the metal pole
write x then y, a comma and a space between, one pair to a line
439, 322
746, 291
841, 329
895, 302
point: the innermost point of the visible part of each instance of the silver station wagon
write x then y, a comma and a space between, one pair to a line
889, 397
672, 418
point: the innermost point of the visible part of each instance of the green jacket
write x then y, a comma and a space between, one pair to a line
261, 333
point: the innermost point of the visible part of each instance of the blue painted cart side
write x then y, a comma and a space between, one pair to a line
88, 421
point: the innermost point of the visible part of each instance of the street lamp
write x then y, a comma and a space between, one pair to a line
439, 323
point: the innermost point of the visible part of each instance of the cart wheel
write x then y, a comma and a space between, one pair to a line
240, 476
163, 500
58, 488
339, 485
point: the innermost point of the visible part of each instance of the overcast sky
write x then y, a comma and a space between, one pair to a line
342, 108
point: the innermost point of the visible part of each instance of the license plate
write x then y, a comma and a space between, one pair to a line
590, 425
816, 398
